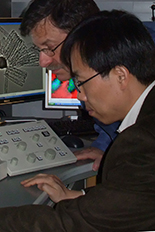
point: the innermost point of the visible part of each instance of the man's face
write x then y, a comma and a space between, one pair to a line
103, 97
47, 36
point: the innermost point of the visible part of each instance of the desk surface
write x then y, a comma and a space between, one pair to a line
12, 193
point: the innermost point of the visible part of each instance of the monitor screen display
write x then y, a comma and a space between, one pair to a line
22, 79
60, 95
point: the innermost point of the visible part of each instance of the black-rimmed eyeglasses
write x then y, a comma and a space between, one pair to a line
78, 83
50, 52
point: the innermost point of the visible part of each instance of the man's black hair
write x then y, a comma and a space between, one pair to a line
113, 38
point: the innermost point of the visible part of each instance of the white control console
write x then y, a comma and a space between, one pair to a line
32, 146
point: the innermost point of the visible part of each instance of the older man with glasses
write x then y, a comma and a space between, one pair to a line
49, 22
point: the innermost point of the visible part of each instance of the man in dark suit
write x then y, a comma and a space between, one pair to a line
112, 57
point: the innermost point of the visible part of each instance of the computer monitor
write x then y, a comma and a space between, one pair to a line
151, 28
60, 95
21, 77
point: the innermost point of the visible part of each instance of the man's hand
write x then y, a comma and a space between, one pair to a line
53, 186
90, 153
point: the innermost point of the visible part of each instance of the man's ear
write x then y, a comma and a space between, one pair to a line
123, 75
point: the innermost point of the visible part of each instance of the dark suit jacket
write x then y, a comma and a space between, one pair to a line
124, 201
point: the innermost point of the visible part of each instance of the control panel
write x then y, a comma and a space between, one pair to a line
32, 146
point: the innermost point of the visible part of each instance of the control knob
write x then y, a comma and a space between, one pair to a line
14, 161
5, 149
53, 140
50, 154
22, 146
31, 158
36, 137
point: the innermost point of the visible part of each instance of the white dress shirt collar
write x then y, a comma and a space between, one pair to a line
132, 115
